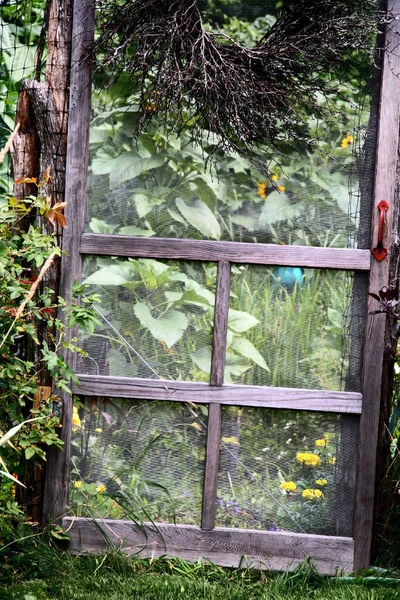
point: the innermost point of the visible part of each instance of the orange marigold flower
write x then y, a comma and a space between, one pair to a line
262, 189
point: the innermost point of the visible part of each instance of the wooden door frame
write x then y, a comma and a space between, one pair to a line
223, 545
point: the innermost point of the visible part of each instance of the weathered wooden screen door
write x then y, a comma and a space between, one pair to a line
219, 403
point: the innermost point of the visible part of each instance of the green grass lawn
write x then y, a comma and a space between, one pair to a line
42, 574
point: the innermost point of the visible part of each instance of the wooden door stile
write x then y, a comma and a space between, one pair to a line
385, 184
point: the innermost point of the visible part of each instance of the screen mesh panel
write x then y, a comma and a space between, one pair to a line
155, 318
282, 470
290, 327
137, 460
165, 190
159, 185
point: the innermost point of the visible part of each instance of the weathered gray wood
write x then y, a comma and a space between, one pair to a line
264, 549
220, 323
235, 395
217, 379
238, 252
59, 55
57, 475
385, 178
211, 467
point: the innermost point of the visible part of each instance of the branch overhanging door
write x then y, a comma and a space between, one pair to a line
220, 410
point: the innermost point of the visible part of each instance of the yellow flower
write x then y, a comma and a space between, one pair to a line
76, 422
99, 430
197, 426
274, 177
77, 484
331, 460
321, 481
262, 189
281, 188
320, 443
312, 494
308, 458
101, 488
347, 141
288, 486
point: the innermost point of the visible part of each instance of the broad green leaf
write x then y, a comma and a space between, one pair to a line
277, 208
98, 135
119, 365
131, 230
247, 349
202, 358
168, 328
337, 185
200, 217
204, 192
129, 165
234, 365
173, 297
29, 452
116, 111
335, 317
112, 275
143, 205
177, 217
240, 321
98, 226
195, 293
249, 222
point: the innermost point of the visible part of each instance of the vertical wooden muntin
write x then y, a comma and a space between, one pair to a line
57, 473
384, 189
221, 313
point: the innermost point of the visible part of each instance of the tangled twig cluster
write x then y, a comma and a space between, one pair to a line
246, 96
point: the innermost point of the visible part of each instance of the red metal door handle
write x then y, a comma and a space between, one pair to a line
380, 252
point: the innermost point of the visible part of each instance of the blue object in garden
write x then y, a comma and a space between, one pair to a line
288, 276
